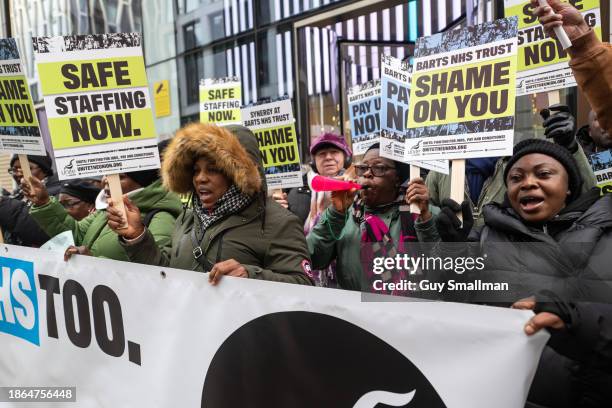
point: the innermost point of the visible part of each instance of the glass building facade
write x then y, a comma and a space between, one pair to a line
310, 50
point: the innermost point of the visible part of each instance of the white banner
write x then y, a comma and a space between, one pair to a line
128, 335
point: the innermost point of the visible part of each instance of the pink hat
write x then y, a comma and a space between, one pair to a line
331, 139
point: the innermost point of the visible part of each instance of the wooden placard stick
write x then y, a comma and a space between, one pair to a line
457, 191
554, 98
25, 167
114, 184
415, 171
1, 236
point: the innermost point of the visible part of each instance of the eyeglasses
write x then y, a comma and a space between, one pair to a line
377, 170
14, 170
70, 204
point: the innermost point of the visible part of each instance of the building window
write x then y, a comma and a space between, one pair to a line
192, 35
194, 71
187, 6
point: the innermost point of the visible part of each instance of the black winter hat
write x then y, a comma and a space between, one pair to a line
44, 162
144, 177
557, 152
81, 189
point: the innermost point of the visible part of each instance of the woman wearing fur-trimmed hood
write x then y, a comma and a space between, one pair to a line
233, 228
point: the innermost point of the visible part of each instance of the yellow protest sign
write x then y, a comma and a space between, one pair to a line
97, 74
97, 103
161, 95
101, 128
468, 92
542, 62
274, 127
220, 101
278, 145
462, 96
19, 132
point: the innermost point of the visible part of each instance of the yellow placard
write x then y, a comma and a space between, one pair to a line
16, 108
92, 75
467, 94
161, 96
278, 145
101, 128
542, 53
220, 116
220, 93
220, 103
535, 48
524, 11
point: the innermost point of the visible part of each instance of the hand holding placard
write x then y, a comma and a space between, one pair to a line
127, 222
35, 191
114, 184
559, 32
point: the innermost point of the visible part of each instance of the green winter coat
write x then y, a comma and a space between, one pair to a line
276, 252
265, 238
94, 233
494, 188
338, 237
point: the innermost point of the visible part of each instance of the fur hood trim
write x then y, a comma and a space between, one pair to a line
217, 145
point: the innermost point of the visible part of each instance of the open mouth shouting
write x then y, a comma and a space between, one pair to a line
531, 203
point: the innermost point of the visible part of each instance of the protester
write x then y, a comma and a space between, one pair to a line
41, 168
18, 227
348, 225
330, 157
484, 181
547, 238
78, 197
91, 234
590, 59
233, 228
592, 137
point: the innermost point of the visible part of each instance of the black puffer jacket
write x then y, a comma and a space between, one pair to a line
570, 256
298, 199
18, 227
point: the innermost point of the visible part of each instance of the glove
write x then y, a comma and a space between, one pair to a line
560, 126
448, 224
548, 301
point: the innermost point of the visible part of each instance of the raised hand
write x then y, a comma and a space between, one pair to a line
35, 191
115, 220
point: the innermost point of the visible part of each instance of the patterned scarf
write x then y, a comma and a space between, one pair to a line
230, 203
377, 242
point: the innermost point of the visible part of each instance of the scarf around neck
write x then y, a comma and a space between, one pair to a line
231, 202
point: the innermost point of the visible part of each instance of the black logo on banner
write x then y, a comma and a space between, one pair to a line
305, 360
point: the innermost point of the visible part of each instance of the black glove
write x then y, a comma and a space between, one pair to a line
548, 301
448, 224
560, 126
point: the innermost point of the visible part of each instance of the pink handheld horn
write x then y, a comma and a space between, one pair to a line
320, 183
